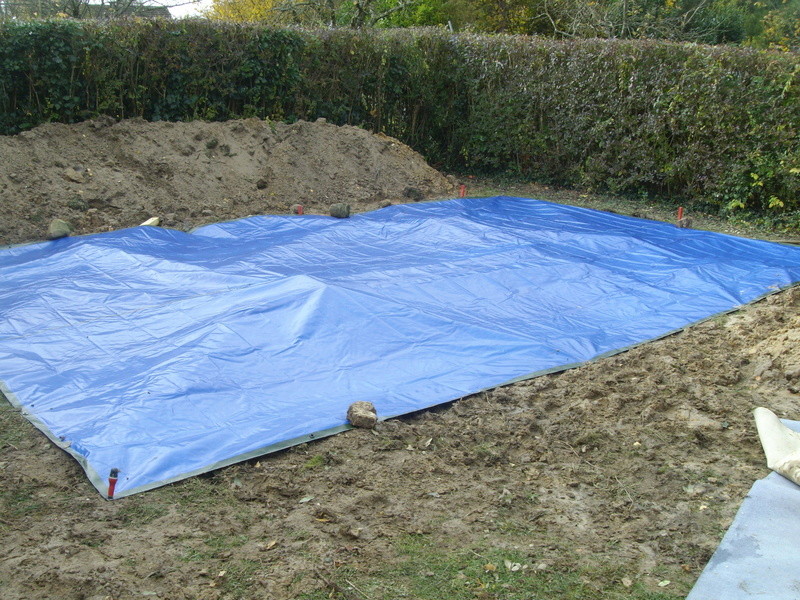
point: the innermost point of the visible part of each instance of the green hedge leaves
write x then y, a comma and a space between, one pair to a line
714, 123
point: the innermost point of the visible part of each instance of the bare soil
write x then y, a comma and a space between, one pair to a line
626, 471
103, 175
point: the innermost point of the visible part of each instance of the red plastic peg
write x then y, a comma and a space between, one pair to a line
112, 482
462, 191
680, 213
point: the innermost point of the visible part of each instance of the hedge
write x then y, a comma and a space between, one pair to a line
714, 123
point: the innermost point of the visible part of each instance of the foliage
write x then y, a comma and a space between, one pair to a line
767, 23
82, 9
718, 124
781, 27
243, 10
330, 13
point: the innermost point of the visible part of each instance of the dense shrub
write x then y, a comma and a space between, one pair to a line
715, 123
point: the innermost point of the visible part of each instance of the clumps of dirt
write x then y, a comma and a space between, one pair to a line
102, 175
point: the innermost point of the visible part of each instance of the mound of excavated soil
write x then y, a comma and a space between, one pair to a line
102, 175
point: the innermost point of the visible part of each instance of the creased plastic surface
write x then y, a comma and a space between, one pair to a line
759, 556
165, 354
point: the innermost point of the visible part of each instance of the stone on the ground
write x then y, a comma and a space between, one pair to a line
58, 229
362, 414
76, 175
152, 222
386, 203
413, 193
340, 210
685, 223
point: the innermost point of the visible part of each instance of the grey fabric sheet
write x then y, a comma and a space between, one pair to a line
759, 557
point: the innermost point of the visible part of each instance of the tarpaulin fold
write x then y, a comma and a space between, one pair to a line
165, 354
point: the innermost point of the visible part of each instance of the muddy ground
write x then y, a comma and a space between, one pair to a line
613, 480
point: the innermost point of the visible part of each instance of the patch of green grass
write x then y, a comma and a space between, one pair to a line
12, 424
78, 203
240, 576
214, 547
314, 462
198, 492
19, 501
426, 571
140, 513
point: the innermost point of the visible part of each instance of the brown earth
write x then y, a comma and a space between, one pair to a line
626, 471
102, 175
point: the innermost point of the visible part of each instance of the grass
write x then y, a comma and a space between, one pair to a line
19, 501
426, 571
314, 462
12, 425
140, 513
767, 226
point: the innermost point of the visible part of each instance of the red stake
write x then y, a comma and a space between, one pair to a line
680, 213
462, 191
112, 482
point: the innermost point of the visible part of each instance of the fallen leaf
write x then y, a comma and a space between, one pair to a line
490, 568
664, 583
627, 582
306, 499
512, 566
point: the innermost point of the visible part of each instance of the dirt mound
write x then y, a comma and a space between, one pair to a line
102, 175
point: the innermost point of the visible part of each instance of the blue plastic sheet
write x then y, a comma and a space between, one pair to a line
166, 354
759, 556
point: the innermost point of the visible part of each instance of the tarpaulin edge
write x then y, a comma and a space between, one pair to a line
608, 353
94, 476
101, 484
263, 451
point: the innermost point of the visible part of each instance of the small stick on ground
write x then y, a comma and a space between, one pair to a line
348, 594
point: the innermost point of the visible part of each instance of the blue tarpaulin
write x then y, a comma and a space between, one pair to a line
759, 556
166, 354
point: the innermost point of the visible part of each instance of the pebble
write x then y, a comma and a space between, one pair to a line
58, 229
340, 210
362, 414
